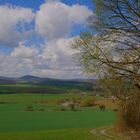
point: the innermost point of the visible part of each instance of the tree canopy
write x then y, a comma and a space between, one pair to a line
113, 45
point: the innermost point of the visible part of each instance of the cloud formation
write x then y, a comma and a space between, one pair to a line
12, 18
23, 51
55, 19
54, 22
55, 60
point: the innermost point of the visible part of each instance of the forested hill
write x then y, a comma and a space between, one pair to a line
43, 85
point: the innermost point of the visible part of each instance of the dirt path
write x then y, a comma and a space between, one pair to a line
102, 133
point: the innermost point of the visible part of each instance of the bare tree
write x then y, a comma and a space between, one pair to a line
116, 46
112, 49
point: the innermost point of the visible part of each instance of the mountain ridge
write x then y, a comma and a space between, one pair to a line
37, 79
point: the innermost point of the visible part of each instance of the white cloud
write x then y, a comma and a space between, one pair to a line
54, 22
55, 19
23, 51
61, 74
58, 60
10, 18
55, 60
58, 49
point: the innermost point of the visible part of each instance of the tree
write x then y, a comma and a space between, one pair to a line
112, 49
116, 45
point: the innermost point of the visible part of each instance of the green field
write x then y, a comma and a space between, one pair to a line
13, 118
54, 88
51, 124
63, 134
47, 121
31, 98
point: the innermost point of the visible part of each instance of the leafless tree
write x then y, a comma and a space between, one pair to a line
116, 46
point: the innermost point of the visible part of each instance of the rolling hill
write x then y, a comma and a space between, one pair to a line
33, 84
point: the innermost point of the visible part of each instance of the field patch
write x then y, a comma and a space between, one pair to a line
14, 118
64, 134
41, 116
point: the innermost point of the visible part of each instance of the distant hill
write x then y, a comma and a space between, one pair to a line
29, 78
38, 80
6, 80
44, 85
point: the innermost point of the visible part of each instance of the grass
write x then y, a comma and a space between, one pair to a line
41, 98
53, 88
64, 134
16, 123
13, 118
30, 98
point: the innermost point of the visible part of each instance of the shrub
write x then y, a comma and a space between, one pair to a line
29, 108
89, 101
115, 110
2, 102
130, 111
71, 105
60, 101
41, 109
63, 108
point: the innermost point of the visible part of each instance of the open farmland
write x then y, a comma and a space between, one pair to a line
41, 116
14, 118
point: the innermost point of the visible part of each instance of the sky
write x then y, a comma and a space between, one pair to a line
36, 37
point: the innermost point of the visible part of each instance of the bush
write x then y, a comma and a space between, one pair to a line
72, 106
130, 111
89, 101
41, 109
115, 110
60, 101
63, 108
29, 108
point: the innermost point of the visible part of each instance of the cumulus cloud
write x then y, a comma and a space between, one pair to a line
58, 49
55, 60
55, 19
53, 22
23, 51
10, 19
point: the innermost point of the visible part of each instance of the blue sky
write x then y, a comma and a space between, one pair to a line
36, 3
36, 36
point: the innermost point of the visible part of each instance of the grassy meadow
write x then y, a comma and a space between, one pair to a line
46, 120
